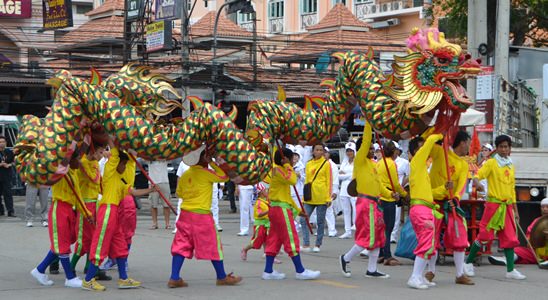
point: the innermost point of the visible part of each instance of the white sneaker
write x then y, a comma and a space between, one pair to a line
174, 231
515, 274
307, 275
275, 275
332, 234
346, 235
41, 277
469, 270
416, 283
243, 233
219, 228
428, 283
353, 227
29, 224
316, 249
73, 283
44, 223
306, 249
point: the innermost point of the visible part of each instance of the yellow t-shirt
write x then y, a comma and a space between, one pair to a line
419, 180
260, 207
365, 172
280, 183
386, 186
114, 187
195, 187
61, 190
322, 186
438, 173
90, 178
501, 180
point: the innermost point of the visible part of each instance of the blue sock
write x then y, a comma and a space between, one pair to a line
122, 262
219, 268
269, 264
176, 265
92, 270
65, 262
50, 257
298, 264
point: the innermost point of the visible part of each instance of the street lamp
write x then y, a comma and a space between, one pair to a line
244, 6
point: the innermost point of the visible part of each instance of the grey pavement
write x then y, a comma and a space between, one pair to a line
23, 248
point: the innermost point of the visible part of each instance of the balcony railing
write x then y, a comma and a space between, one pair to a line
247, 26
308, 19
276, 25
385, 8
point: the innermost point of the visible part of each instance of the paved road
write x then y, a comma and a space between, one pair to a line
22, 249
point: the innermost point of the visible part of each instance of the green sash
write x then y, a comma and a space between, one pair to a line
431, 205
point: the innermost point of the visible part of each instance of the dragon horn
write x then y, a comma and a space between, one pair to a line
281, 94
308, 106
370, 53
233, 113
328, 83
340, 56
95, 78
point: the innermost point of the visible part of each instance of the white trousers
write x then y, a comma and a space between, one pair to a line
349, 211
246, 209
397, 225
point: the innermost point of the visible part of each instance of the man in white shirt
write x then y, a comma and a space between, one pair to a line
330, 213
245, 198
347, 202
402, 166
157, 171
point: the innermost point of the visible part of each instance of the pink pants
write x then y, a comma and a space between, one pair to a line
260, 233
368, 217
128, 217
282, 232
423, 222
108, 238
507, 236
197, 236
525, 255
450, 239
84, 231
62, 220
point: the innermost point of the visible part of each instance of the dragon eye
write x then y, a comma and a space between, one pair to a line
443, 61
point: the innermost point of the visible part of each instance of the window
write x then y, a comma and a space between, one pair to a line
276, 9
309, 6
82, 9
338, 1
245, 18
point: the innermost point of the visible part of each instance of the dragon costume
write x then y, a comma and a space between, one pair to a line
124, 105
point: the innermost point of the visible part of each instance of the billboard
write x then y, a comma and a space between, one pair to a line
134, 8
21, 9
158, 36
168, 9
57, 14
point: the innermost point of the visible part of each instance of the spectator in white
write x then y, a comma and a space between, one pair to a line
305, 152
402, 166
157, 171
299, 169
245, 197
331, 209
33, 192
486, 150
348, 203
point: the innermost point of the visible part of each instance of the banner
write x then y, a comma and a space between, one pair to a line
21, 9
57, 14
168, 9
134, 8
158, 36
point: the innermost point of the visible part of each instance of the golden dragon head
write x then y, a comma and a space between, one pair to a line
432, 71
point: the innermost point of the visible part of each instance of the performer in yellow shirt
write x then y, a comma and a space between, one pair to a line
458, 169
423, 209
108, 238
66, 194
318, 174
196, 232
370, 227
388, 199
261, 221
500, 207
282, 228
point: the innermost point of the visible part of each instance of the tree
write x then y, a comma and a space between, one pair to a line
528, 20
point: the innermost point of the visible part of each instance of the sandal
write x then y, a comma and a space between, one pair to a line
153, 227
168, 227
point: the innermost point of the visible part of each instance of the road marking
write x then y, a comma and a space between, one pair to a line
336, 284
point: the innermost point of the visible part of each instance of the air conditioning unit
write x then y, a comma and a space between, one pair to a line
374, 8
397, 5
386, 7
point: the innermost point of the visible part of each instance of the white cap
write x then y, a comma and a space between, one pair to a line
544, 201
488, 146
376, 147
291, 147
326, 149
193, 157
397, 145
351, 146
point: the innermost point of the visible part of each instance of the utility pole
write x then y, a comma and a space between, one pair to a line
185, 50
501, 60
477, 34
254, 51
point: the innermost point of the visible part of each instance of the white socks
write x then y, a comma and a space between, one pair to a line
432, 263
353, 252
418, 267
372, 263
458, 257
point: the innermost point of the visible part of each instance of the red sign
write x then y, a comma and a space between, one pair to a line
484, 128
16, 9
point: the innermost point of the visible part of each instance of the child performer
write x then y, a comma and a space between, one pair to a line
108, 238
61, 228
370, 227
261, 224
196, 232
500, 208
282, 227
